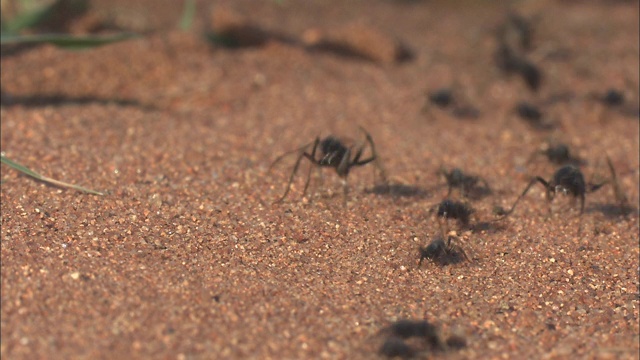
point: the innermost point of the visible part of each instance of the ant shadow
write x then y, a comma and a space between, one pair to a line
474, 193
42, 100
478, 193
491, 227
399, 191
612, 211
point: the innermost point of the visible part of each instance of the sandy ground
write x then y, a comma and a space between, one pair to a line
188, 257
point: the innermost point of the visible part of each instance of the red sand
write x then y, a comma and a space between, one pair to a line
186, 256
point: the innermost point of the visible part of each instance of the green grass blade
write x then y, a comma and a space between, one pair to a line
188, 13
64, 40
37, 176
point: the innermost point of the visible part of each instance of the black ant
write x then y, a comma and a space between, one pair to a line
444, 99
443, 254
612, 98
558, 154
450, 209
532, 115
441, 98
405, 329
568, 180
395, 345
334, 154
468, 184
615, 99
510, 63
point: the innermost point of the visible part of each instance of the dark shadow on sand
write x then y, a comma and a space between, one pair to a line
612, 211
60, 100
399, 190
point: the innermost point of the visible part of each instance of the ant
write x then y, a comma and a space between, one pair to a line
567, 179
558, 154
441, 98
510, 63
395, 345
615, 99
443, 254
450, 252
405, 329
612, 98
468, 184
450, 209
334, 154
532, 115
444, 99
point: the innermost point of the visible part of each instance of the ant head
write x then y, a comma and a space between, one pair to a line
568, 179
331, 144
613, 97
434, 249
456, 175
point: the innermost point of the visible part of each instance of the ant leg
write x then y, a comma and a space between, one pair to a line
591, 187
464, 190
293, 174
595, 187
619, 193
345, 191
374, 157
312, 158
279, 158
444, 230
550, 196
295, 169
306, 184
345, 164
580, 215
531, 183
485, 183
460, 248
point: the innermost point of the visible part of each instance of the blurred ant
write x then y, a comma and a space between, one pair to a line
395, 345
615, 99
444, 99
405, 329
468, 184
568, 180
443, 254
558, 154
441, 98
399, 331
510, 63
334, 154
450, 252
612, 98
532, 115
450, 209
